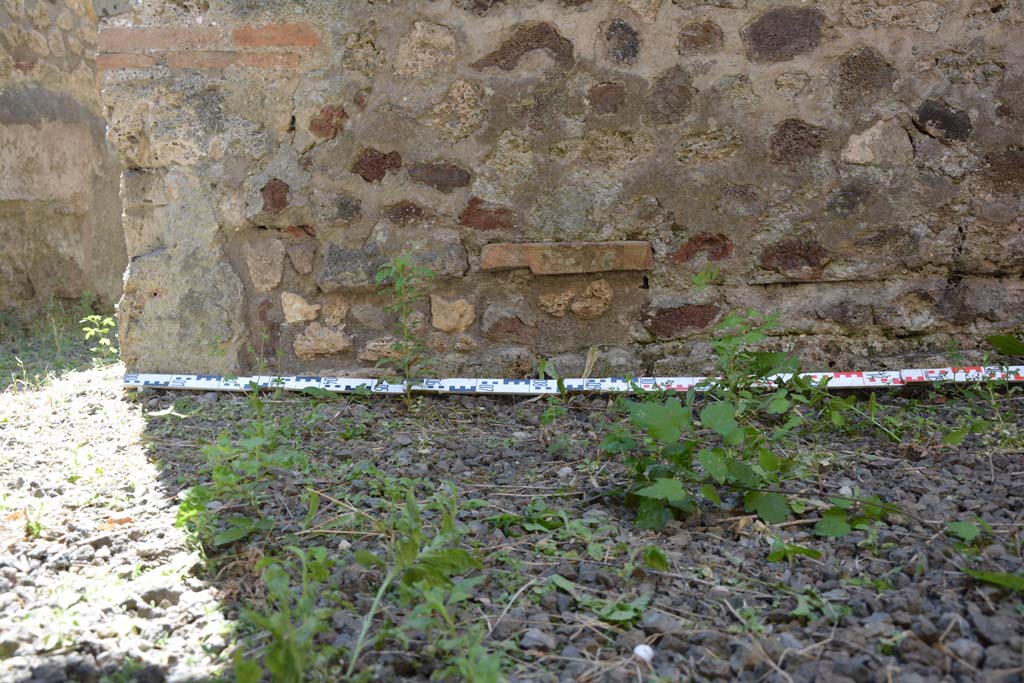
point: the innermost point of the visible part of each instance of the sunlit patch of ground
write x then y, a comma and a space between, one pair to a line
94, 577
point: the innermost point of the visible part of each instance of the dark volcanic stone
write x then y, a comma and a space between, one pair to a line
372, 165
275, 196
526, 38
622, 40
671, 96
805, 256
1003, 171
441, 177
670, 323
404, 212
861, 76
781, 34
700, 36
607, 98
794, 140
940, 120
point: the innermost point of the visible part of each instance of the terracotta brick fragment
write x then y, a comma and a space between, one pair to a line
275, 196
276, 35
486, 216
802, 258
110, 62
123, 39
372, 164
716, 247
559, 258
329, 122
670, 323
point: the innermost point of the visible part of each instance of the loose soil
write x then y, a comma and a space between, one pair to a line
96, 582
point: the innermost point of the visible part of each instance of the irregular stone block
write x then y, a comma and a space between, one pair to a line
700, 36
405, 212
622, 42
486, 216
671, 97
593, 301
525, 38
296, 309
461, 111
799, 259
425, 50
885, 143
943, 121
265, 259
372, 165
328, 122
607, 98
862, 76
779, 35
320, 340
554, 258
302, 256
451, 316
711, 145
678, 321
793, 141
443, 177
715, 247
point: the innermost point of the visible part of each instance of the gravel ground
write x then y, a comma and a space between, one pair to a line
96, 582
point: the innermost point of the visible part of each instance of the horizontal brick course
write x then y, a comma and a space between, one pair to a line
276, 35
120, 39
562, 258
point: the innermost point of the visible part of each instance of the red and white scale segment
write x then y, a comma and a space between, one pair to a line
344, 385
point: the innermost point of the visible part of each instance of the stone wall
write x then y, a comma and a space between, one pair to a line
566, 167
60, 215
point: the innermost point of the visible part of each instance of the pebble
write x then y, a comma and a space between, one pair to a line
535, 639
657, 622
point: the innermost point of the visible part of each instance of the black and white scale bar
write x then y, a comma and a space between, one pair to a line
534, 387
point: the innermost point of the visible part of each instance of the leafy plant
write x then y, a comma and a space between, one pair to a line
620, 611
1011, 582
238, 471
101, 329
730, 440
291, 618
404, 278
415, 559
783, 551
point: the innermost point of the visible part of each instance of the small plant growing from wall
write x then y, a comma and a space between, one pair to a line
404, 278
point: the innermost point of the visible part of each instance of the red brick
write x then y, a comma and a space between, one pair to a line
672, 323
120, 39
486, 216
561, 258
276, 35
128, 60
